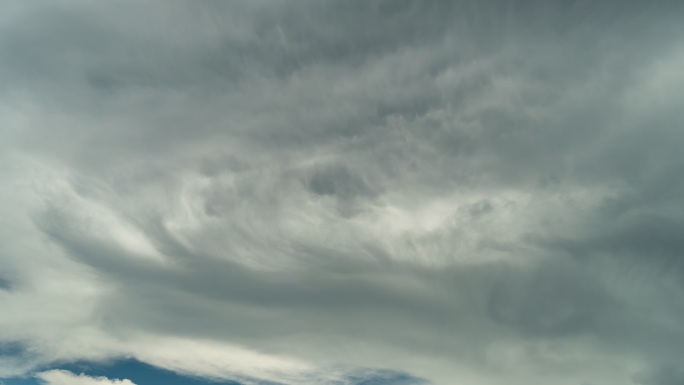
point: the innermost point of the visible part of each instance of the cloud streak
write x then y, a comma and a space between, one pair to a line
64, 377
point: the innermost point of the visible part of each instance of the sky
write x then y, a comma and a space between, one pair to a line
341, 192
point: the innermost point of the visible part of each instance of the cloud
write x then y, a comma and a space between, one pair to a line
457, 191
5, 284
663, 375
64, 377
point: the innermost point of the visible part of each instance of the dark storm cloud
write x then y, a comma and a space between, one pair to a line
486, 192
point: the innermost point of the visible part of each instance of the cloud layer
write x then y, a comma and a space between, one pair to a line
465, 191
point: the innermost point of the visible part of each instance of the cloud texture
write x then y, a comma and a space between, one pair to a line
306, 192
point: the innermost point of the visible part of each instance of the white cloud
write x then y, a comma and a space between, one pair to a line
64, 377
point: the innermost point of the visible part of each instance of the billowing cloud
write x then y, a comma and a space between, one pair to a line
312, 192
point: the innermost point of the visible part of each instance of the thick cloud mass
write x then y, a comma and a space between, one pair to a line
316, 192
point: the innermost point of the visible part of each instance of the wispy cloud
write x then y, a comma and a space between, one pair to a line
64, 377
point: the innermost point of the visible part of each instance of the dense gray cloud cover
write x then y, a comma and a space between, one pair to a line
472, 192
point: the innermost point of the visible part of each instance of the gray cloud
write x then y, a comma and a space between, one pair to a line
469, 192
664, 375
5, 284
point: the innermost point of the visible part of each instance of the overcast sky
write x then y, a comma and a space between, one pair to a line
343, 192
